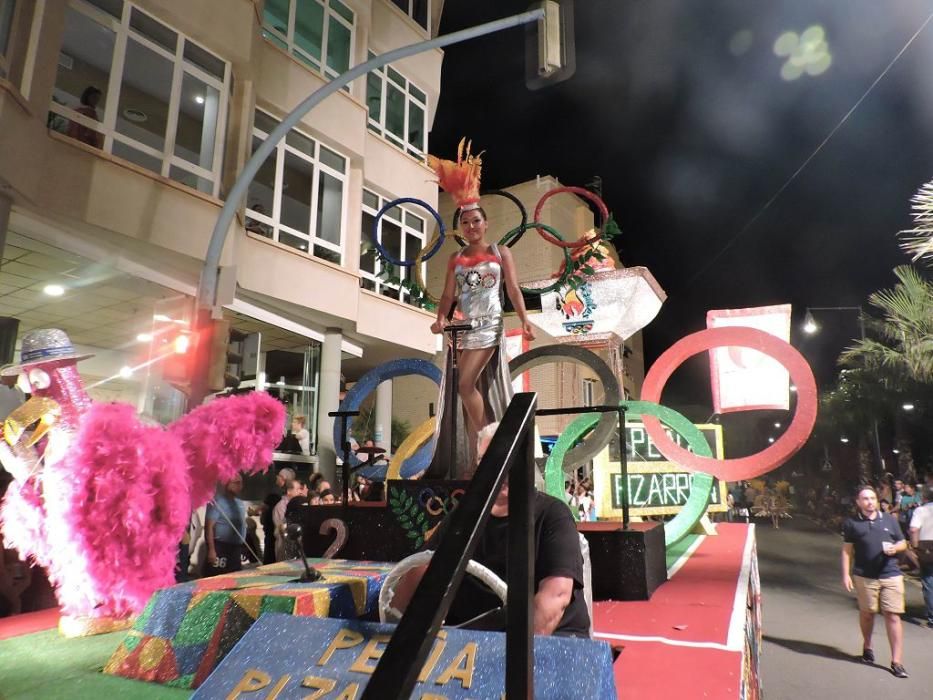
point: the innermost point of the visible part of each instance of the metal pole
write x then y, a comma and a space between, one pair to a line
623, 462
519, 641
874, 423
207, 286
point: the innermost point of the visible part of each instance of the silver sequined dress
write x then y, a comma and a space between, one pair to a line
479, 285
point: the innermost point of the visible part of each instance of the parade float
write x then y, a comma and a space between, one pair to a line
312, 624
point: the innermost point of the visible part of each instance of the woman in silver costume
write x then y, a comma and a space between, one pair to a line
475, 276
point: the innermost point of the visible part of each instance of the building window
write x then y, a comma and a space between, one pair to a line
418, 10
298, 197
7, 8
401, 233
318, 33
588, 386
132, 86
397, 110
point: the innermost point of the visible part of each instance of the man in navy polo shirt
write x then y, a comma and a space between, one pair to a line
874, 539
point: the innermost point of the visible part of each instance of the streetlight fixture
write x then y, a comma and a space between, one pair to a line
908, 406
809, 324
777, 425
844, 440
810, 327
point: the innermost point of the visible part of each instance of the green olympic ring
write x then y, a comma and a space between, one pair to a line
701, 484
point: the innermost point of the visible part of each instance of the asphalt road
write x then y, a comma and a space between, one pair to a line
810, 625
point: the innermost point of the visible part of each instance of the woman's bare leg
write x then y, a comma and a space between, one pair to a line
471, 365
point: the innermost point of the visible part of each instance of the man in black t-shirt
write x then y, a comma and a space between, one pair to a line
265, 515
873, 539
559, 604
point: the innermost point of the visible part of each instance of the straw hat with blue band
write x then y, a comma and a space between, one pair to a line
42, 346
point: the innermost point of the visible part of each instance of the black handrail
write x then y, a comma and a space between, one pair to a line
511, 453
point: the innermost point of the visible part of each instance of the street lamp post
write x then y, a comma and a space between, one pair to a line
810, 326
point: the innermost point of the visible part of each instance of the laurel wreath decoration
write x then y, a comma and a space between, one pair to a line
410, 516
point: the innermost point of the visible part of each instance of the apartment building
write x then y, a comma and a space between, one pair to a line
124, 123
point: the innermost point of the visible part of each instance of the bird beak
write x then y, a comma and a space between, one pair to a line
42, 412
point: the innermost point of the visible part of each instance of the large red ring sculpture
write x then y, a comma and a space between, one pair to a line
742, 467
586, 194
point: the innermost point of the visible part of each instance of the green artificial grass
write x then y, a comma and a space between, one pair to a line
46, 665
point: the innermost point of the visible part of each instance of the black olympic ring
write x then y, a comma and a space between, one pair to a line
455, 222
607, 427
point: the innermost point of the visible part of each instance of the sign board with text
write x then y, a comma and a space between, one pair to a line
655, 485
284, 657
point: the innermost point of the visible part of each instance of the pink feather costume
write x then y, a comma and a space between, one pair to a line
105, 514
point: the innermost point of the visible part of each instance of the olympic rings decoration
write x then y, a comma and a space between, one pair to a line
455, 221
764, 461
436, 241
586, 194
436, 501
416, 438
366, 384
700, 483
509, 238
593, 444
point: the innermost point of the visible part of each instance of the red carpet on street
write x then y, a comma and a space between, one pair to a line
681, 635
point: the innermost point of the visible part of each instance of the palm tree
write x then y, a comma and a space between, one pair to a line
899, 345
897, 353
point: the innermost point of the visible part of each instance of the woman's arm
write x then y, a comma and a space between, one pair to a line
447, 298
515, 294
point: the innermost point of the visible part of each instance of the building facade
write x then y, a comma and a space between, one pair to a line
124, 123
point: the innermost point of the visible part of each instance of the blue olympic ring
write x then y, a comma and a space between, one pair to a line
366, 384
374, 234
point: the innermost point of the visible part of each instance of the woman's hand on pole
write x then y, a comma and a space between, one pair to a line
528, 331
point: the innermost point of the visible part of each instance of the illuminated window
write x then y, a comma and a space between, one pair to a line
134, 87
298, 197
401, 233
318, 33
397, 110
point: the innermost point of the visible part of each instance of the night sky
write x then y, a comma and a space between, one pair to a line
679, 106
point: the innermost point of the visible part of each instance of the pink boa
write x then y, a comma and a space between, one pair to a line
112, 511
227, 436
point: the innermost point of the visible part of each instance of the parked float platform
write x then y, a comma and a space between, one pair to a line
704, 623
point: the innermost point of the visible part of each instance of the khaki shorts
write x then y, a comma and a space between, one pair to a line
889, 592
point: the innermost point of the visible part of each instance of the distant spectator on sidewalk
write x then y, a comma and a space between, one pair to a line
294, 488
225, 529
265, 517
873, 539
921, 539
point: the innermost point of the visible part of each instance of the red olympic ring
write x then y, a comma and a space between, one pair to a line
586, 194
742, 467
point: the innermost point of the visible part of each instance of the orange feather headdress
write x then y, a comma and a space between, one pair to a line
460, 178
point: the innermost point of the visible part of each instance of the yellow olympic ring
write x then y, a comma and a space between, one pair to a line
439, 508
409, 446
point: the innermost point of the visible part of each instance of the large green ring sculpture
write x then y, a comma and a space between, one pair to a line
700, 484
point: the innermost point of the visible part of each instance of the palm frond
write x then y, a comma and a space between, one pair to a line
918, 241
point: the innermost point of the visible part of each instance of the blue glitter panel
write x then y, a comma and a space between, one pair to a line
283, 652
188, 657
341, 602
169, 610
